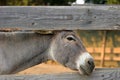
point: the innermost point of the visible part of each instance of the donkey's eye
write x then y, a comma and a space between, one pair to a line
70, 38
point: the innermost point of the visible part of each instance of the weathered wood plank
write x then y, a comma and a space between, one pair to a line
107, 50
98, 74
60, 17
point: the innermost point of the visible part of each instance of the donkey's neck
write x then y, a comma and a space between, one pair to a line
23, 50
42, 57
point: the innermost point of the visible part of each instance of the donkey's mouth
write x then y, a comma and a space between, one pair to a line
86, 70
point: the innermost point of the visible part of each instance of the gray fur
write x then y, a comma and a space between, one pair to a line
17, 49
20, 50
66, 51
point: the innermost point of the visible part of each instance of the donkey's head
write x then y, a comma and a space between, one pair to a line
67, 49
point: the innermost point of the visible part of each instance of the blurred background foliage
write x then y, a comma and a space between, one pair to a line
35, 2
51, 2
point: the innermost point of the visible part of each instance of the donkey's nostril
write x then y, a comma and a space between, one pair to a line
90, 62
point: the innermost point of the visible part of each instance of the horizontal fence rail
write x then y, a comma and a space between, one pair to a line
112, 51
60, 17
99, 74
107, 50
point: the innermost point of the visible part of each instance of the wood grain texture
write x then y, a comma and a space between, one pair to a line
98, 74
93, 17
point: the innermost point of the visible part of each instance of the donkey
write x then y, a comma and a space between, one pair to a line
21, 50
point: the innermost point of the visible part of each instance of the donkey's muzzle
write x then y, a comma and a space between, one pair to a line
88, 67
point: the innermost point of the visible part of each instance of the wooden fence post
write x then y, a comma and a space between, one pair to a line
103, 48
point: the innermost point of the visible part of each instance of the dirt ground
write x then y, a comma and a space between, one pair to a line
45, 69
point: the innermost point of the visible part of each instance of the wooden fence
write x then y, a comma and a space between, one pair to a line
98, 74
107, 51
92, 17
112, 56
42, 18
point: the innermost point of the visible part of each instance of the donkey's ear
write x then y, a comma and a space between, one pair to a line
44, 31
56, 31
76, 31
47, 31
